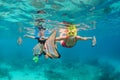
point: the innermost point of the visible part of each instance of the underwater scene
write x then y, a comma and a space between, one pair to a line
59, 39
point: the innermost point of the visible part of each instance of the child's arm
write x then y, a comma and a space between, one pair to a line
88, 38
60, 38
84, 38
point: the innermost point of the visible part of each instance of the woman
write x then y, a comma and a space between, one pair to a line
40, 48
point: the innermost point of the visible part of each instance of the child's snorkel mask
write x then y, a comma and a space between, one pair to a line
72, 31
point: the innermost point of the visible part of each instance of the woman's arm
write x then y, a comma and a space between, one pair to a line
28, 36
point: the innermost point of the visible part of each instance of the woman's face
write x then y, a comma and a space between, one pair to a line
41, 33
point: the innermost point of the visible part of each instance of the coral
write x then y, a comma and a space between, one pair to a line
53, 75
93, 62
4, 72
109, 72
106, 70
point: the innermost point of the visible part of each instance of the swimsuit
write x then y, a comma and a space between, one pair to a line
41, 41
63, 43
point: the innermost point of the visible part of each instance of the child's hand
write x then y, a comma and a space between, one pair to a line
94, 41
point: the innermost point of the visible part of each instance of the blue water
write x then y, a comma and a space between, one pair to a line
82, 62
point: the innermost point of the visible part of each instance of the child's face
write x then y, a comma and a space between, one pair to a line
71, 33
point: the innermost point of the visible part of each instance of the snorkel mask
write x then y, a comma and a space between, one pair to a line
72, 31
